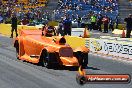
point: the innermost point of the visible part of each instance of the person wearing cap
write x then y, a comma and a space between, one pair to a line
13, 25
128, 21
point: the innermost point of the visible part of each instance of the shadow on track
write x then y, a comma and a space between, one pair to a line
58, 67
93, 68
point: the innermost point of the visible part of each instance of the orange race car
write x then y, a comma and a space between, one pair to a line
34, 47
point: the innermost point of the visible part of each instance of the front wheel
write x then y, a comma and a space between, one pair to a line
17, 55
17, 52
44, 60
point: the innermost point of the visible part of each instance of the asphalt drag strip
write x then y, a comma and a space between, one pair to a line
18, 74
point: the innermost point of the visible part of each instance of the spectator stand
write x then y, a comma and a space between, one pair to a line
105, 7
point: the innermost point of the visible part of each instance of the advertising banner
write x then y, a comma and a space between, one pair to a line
119, 47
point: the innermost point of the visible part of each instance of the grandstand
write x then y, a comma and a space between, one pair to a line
32, 10
25, 5
125, 8
55, 9
83, 7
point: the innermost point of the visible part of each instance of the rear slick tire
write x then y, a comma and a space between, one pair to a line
82, 58
46, 63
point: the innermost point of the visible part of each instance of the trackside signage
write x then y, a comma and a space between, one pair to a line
111, 47
83, 78
103, 79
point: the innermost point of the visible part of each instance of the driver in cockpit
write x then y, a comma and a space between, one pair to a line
48, 31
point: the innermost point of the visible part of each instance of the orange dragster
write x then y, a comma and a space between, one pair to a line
31, 46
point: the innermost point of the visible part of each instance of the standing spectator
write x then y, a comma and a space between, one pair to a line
14, 25
117, 22
89, 21
79, 21
111, 24
67, 25
106, 22
60, 28
99, 22
128, 20
1, 19
73, 17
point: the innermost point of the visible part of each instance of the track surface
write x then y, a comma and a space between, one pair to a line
18, 74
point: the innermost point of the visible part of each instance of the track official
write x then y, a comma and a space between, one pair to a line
14, 25
93, 21
128, 20
67, 23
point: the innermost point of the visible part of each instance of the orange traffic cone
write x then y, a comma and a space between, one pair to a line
123, 33
86, 33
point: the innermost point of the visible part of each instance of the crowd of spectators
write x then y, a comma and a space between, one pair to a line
91, 13
86, 13
82, 7
92, 21
130, 1
108, 5
32, 12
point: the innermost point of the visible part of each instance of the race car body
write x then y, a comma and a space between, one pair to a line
31, 46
